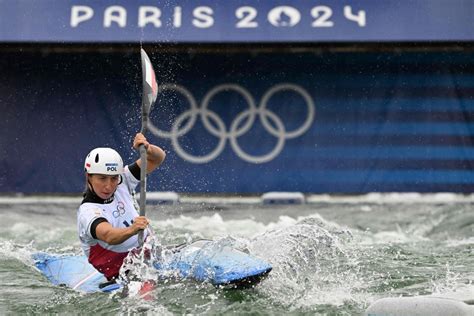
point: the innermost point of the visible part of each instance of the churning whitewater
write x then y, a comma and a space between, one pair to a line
330, 256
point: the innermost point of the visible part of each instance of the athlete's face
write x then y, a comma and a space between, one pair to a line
104, 185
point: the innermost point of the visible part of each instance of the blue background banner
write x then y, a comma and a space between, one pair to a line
245, 122
231, 21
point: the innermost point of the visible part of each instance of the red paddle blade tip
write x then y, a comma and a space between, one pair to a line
150, 87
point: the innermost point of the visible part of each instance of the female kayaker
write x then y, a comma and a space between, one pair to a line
108, 222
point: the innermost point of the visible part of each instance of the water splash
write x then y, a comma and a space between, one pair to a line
445, 283
137, 268
312, 264
319, 267
21, 252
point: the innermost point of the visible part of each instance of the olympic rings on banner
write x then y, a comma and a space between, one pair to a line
239, 126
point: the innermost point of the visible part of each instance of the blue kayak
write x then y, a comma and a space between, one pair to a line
199, 261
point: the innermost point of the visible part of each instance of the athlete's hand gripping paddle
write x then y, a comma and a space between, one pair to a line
149, 94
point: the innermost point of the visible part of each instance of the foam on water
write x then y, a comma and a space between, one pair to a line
214, 225
395, 197
379, 198
336, 260
462, 242
11, 250
312, 263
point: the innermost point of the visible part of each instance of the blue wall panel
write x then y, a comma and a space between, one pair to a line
235, 21
382, 121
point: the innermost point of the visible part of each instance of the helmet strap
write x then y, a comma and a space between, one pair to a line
90, 185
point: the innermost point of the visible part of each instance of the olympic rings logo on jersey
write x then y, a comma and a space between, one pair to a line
237, 129
120, 210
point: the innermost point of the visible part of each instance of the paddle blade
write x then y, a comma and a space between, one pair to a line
150, 87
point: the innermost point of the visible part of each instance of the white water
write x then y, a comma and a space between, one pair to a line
335, 256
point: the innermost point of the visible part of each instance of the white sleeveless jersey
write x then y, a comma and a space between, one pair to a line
119, 213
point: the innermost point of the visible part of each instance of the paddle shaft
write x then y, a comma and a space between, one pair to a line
149, 94
143, 169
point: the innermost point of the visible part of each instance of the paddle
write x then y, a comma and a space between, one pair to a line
149, 94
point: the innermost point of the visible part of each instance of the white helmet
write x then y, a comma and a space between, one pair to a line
104, 161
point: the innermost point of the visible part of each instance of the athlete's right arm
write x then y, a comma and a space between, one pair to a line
114, 236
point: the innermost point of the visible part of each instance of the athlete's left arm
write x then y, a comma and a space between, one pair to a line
155, 155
